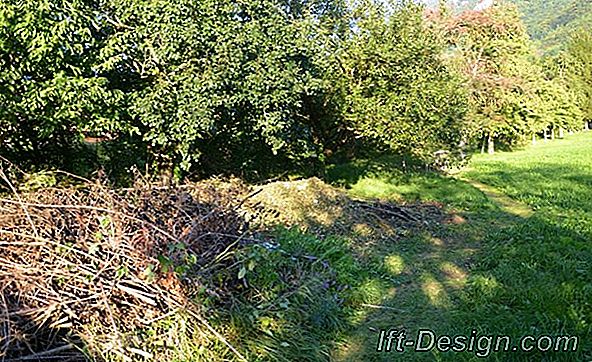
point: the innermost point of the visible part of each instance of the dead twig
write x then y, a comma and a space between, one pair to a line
50, 353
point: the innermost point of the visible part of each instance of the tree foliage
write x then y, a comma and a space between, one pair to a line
399, 91
49, 91
219, 81
579, 69
232, 87
510, 96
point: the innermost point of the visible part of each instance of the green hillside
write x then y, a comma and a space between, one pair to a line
551, 21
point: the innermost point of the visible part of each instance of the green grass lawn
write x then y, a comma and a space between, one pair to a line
517, 260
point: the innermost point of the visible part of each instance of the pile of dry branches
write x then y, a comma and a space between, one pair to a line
92, 264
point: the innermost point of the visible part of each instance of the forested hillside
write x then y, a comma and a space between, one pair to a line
551, 21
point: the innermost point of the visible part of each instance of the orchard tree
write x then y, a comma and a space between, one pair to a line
398, 91
492, 49
219, 84
50, 93
579, 72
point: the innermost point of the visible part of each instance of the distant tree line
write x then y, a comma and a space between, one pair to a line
221, 86
514, 94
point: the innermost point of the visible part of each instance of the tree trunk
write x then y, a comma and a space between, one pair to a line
586, 128
490, 145
533, 138
561, 132
545, 135
552, 133
483, 145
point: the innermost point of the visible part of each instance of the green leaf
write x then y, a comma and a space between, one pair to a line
242, 272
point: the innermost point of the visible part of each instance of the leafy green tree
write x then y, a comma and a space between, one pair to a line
579, 70
558, 95
49, 92
493, 50
399, 94
219, 84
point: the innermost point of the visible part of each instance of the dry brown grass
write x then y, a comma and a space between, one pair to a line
315, 206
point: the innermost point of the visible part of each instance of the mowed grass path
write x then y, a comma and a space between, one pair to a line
515, 260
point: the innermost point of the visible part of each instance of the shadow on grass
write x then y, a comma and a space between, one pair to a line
488, 270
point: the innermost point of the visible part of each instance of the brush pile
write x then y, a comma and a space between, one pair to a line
90, 263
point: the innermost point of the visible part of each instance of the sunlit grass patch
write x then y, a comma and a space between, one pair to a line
434, 291
394, 264
520, 262
380, 188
